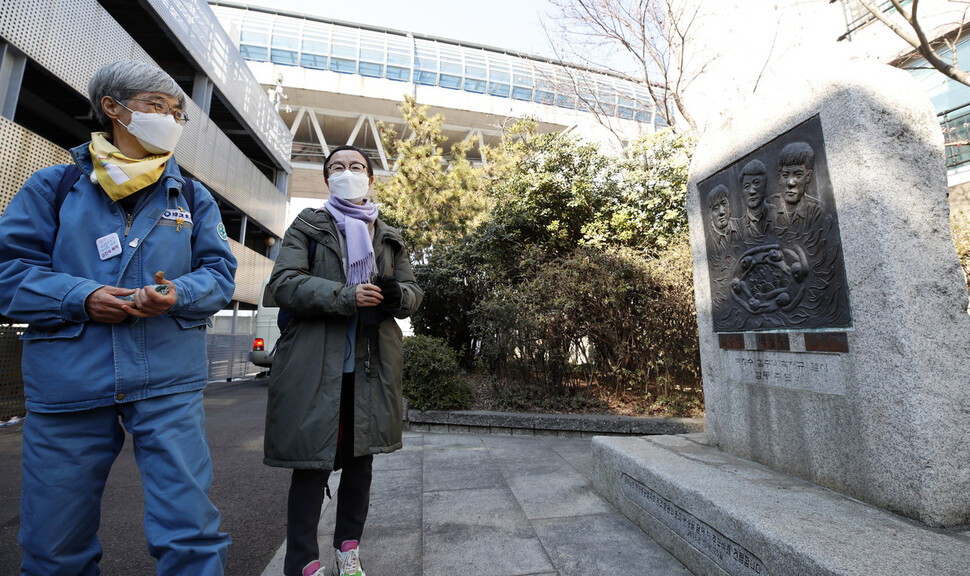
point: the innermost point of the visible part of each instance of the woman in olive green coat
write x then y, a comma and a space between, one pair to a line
335, 395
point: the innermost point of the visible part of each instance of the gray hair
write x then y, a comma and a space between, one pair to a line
122, 80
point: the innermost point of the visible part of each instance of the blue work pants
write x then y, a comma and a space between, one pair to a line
66, 460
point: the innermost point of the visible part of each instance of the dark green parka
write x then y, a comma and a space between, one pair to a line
304, 386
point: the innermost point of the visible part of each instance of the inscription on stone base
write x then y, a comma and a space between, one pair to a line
820, 373
827, 342
731, 341
726, 553
772, 342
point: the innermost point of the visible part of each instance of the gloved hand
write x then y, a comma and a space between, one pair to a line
391, 291
370, 319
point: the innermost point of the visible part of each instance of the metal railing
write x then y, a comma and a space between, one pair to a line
955, 124
857, 16
228, 359
11, 378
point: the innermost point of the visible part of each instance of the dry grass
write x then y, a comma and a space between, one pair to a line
585, 399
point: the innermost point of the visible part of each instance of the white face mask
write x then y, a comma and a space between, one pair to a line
348, 185
157, 133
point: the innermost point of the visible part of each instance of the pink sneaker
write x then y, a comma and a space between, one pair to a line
346, 561
314, 568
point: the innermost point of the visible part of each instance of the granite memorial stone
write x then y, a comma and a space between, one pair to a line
835, 343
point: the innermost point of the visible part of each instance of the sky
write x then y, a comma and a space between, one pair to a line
510, 24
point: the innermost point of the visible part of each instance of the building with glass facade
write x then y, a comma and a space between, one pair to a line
340, 78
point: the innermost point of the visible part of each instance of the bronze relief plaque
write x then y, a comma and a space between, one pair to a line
773, 243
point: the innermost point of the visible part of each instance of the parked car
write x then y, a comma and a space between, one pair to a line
266, 330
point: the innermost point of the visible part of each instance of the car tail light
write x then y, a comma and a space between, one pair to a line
258, 344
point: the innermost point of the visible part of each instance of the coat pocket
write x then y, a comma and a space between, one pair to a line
186, 323
66, 330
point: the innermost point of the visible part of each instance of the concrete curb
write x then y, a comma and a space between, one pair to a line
528, 424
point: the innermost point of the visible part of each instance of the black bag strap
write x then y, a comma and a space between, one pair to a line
283, 317
188, 191
71, 175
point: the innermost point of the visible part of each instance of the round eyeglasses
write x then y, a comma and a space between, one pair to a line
355, 167
162, 107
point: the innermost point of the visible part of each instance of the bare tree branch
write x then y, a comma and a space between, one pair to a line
644, 39
918, 39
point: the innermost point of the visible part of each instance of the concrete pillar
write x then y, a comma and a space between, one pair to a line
12, 66
202, 92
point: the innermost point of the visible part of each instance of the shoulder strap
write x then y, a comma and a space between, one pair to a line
72, 173
188, 191
70, 176
283, 317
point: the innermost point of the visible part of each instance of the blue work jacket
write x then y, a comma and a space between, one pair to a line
47, 271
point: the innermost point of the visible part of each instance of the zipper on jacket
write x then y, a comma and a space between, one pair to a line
128, 219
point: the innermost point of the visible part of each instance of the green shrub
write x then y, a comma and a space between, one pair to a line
453, 281
432, 378
606, 316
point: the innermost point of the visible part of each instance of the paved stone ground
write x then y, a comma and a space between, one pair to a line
447, 504
488, 505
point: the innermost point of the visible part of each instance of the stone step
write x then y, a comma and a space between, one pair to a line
720, 514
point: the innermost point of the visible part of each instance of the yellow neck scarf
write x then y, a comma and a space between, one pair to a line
119, 175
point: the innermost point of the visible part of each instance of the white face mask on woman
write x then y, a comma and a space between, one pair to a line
157, 133
349, 185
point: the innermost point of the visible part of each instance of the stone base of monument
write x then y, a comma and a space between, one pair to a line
720, 514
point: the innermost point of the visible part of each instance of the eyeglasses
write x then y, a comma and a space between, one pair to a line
355, 167
162, 107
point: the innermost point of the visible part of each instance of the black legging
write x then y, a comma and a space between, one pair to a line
307, 487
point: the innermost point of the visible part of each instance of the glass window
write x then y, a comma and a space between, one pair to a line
606, 98
545, 87
473, 85
543, 97
399, 59
250, 36
520, 93
285, 57
285, 42
371, 69
476, 71
498, 71
344, 43
426, 78
945, 94
624, 100
498, 89
398, 51
253, 52
398, 73
450, 59
522, 77
426, 63
566, 101
313, 61
372, 46
316, 46
372, 55
343, 65
449, 81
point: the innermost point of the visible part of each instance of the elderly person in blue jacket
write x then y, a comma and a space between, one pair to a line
116, 275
